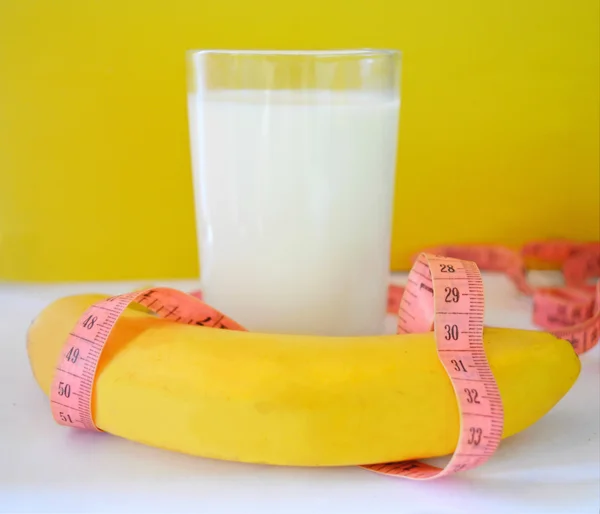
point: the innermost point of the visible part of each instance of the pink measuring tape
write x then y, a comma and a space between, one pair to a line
444, 293
571, 312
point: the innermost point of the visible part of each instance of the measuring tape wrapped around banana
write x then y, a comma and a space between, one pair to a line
443, 385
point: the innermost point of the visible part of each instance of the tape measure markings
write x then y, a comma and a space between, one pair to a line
440, 277
459, 338
71, 390
571, 312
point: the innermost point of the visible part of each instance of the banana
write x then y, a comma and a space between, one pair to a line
294, 400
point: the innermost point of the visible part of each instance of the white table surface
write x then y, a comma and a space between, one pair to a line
552, 467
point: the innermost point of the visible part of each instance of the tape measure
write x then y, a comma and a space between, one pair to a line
71, 389
444, 293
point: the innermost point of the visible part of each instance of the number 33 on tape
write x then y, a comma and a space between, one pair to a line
442, 293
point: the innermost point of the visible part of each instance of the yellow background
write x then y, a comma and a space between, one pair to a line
499, 133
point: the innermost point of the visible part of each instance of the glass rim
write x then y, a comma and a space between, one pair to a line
364, 52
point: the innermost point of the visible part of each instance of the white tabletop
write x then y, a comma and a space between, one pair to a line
552, 467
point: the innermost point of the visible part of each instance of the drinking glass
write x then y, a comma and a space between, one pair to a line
294, 159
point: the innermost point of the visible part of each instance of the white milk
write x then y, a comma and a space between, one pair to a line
294, 204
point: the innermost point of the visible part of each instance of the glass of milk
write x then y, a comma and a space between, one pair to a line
294, 160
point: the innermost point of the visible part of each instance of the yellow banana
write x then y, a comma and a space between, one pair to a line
294, 400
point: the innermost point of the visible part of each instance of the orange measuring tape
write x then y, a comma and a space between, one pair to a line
444, 293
